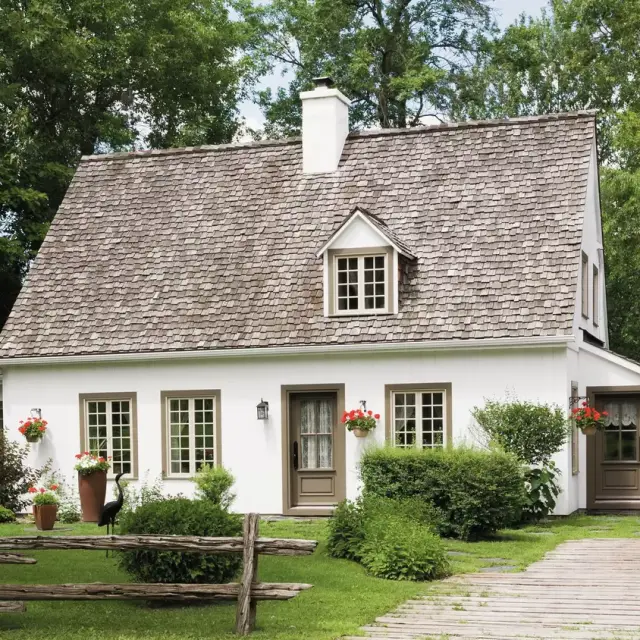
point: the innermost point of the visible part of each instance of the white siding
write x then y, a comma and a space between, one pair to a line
251, 448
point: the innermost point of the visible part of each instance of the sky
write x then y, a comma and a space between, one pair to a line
506, 12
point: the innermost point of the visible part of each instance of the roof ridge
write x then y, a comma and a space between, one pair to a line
233, 146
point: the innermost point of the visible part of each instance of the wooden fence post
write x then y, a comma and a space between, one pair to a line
246, 611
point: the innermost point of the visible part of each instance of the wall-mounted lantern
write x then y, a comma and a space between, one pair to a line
363, 405
36, 413
263, 410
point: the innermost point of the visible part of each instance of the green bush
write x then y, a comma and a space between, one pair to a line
15, 476
392, 539
399, 548
6, 515
346, 530
137, 495
473, 493
533, 433
180, 516
214, 484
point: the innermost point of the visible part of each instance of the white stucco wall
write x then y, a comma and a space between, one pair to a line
252, 449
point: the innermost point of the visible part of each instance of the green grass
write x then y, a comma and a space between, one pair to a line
343, 597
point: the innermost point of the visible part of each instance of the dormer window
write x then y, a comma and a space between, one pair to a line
361, 283
361, 260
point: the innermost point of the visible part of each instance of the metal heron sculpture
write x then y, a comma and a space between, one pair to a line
111, 509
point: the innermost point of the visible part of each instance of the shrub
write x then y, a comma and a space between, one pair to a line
533, 433
15, 476
6, 515
179, 516
346, 530
399, 548
214, 484
473, 493
392, 539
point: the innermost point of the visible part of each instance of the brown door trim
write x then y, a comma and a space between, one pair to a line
592, 392
340, 453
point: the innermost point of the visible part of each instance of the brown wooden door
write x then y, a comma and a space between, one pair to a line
613, 455
316, 450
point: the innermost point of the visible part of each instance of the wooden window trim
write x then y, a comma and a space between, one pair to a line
390, 283
428, 387
584, 286
133, 398
203, 393
595, 296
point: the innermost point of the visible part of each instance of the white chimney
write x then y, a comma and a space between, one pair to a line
325, 126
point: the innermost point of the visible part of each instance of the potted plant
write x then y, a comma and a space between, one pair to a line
360, 422
33, 429
45, 506
589, 419
92, 484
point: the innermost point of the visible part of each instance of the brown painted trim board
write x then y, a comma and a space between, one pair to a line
339, 462
83, 398
202, 393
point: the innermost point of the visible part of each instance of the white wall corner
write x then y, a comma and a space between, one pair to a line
325, 126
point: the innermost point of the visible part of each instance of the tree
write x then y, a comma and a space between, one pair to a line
81, 76
396, 59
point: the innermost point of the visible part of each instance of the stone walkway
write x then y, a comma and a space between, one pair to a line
583, 590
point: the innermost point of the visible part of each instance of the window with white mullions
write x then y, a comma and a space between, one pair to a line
109, 432
361, 284
418, 419
192, 440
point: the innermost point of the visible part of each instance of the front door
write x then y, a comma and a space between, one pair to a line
613, 462
316, 451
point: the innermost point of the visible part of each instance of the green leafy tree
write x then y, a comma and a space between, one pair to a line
395, 59
83, 76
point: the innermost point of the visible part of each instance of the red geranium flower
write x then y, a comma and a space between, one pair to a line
33, 490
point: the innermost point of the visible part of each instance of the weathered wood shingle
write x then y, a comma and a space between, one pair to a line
215, 247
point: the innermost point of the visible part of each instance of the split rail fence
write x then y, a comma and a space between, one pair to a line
247, 592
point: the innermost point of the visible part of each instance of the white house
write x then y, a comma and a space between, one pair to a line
420, 271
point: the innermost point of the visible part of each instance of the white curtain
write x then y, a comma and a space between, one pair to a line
316, 433
621, 414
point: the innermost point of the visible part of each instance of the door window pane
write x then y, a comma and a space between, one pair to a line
316, 433
621, 431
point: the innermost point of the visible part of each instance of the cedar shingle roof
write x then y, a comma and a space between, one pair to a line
215, 247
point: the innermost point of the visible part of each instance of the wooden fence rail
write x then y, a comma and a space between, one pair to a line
247, 592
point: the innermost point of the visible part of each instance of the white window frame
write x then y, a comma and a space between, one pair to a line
109, 400
192, 435
595, 295
418, 418
360, 311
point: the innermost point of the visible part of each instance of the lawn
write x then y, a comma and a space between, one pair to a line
343, 597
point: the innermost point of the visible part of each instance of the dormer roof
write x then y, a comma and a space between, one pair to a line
379, 227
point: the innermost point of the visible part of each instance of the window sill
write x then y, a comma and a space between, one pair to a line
360, 314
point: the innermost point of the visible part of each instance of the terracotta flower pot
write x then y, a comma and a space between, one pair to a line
92, 489
360, 433
32, 438
45, 516
590, 430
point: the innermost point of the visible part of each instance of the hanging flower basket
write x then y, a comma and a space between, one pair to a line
588, 419
360, 422
33, 429
92, 484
